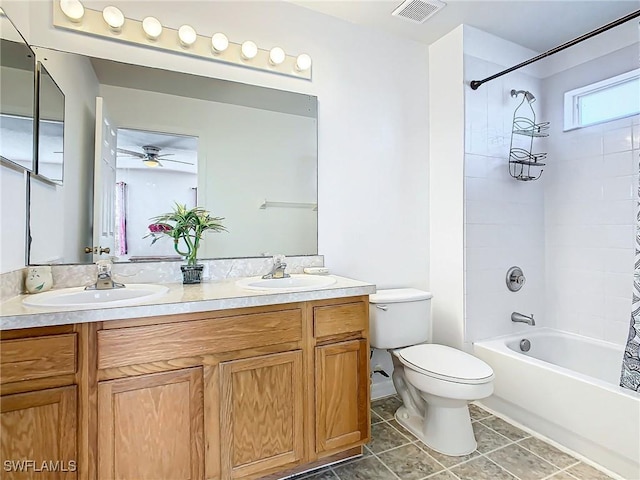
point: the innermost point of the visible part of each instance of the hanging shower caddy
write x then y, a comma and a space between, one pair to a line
524, 165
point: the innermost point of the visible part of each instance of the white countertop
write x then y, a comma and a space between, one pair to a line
220, 295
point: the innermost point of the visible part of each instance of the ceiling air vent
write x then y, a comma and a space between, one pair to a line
418, 11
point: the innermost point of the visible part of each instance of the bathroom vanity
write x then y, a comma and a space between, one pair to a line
223, 391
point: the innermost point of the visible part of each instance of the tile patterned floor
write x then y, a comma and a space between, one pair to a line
504, 453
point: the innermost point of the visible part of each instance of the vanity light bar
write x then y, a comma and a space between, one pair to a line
151, 33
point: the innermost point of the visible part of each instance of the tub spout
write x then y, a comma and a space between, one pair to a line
520, 318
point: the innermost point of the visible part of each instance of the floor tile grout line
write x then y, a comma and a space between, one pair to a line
454, 475
388, 422
374, 456
484, 454
503, 435
411, 442
563, 470
386, 466
540, 457
391, 449
546, 459
503, 468
417, 442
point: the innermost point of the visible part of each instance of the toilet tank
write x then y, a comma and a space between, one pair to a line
399, 317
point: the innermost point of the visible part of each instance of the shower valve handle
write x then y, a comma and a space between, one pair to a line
515, 279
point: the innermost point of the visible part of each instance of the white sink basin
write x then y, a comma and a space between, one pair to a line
294, 283
79, 297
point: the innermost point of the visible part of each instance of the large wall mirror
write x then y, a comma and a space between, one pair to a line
17, 71
246, 153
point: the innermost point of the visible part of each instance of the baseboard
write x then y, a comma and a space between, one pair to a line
382, 389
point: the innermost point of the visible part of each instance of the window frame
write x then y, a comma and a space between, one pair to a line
572, 99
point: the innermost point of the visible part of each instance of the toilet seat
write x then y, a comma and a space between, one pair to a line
446, 363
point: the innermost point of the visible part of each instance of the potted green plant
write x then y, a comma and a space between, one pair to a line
186, 227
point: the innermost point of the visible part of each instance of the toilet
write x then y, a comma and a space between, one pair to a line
435, 382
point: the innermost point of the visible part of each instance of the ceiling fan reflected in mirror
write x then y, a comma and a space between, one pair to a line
151, 156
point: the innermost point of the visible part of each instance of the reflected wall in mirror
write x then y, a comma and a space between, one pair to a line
50, 127
17, 88
251, 144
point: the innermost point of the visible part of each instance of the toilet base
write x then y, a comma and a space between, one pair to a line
446, 430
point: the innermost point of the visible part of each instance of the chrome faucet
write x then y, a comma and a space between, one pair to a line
277, 271
520, 318
104, 281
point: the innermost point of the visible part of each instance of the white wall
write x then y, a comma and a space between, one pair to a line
446, 115
590, 209
373, 129
504, 221
13, 213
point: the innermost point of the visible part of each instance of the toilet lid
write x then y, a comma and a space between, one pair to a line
440, 361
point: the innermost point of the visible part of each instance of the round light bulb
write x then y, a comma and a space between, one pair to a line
303, 62
114, 17
187, 35
249, 50
219, 42
276, 56
72, 9
152, 27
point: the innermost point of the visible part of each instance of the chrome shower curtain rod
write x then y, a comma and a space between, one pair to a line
476, 83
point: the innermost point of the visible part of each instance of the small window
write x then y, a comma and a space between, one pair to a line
613, 98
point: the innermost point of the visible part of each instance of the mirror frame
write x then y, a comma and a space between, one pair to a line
6, 162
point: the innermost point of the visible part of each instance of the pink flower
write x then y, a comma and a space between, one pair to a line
160, 228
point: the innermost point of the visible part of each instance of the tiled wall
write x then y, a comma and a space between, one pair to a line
504, 218
590, 217
590, 209
590, 205
572, 231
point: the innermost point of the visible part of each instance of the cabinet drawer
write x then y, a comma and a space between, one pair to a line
338, 319
38, 357
152, 343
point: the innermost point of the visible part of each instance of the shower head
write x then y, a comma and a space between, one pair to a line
529, 97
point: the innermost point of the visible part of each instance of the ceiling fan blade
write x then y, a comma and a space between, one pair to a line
165, 155
175, 161
132, 153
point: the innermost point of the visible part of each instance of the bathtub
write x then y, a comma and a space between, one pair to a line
566, 388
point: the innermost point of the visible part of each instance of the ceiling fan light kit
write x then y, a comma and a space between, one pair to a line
151, 162
113, 24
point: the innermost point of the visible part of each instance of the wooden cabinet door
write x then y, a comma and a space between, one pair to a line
261, 414
342, 395
38, 434
151, 427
